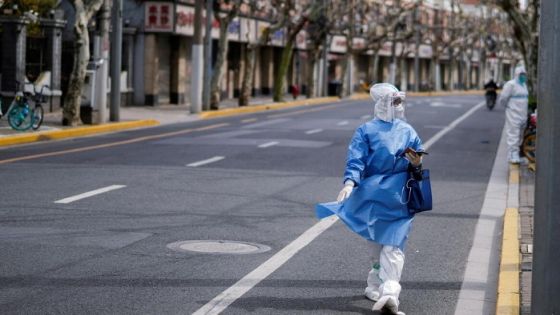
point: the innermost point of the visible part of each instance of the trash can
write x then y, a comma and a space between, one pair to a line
334, 88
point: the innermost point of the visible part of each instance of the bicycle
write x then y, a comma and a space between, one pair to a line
21, 116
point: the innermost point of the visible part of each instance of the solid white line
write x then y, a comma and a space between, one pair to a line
483, 260
207, 161
268, 144
223, 300
310, 132
451, 126
230, 295
343, 123
90, 193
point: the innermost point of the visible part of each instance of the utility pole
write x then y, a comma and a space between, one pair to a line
102, 74
198, 60
546, 254
116, 60
417, 48
208, 54
325, 67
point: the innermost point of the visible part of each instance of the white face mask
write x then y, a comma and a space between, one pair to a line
385, 110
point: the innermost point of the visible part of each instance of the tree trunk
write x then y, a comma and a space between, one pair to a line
218, 73
71, 110
247, 84
375, 71
314, 56
278, 95
344, 89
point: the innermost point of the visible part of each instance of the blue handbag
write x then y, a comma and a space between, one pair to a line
419, 193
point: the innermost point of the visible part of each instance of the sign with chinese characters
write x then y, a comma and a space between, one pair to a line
159, 17
338, 44
185, 22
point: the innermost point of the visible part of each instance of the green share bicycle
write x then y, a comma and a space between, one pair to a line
21, 116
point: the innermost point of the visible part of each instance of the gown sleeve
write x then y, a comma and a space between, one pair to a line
357, 156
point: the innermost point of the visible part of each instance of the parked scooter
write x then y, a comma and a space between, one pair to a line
530, 138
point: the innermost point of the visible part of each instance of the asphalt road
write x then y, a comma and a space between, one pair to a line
107, 253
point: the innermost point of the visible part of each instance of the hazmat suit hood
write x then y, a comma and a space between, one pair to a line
518, 71
383, 96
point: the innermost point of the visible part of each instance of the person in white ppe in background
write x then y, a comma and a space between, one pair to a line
377, 168
515, 98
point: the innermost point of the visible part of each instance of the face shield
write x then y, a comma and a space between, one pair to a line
389, 102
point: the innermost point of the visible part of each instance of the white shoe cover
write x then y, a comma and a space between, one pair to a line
388, 303
371, 294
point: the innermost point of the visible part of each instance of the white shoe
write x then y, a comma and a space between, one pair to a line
388, 303
371, 294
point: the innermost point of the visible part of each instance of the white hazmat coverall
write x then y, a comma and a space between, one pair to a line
516, 99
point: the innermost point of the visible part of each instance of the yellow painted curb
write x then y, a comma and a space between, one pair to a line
514, 174
75, 132
259, 108
508, 281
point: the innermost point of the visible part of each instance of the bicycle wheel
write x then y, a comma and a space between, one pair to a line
19, 117
37, 117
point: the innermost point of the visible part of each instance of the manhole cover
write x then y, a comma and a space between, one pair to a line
218, 247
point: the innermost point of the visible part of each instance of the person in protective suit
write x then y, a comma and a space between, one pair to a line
377, 168
516, 99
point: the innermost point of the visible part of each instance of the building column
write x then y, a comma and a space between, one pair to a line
267, 70
178, 71
53, 55
151, 70
257, 84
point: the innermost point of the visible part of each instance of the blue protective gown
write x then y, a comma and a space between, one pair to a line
376, 209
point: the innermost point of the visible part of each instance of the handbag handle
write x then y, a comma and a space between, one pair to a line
409, 192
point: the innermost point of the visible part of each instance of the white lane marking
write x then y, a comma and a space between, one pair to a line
224, 299
90, 193
343, 123
452, 125
365, 117
268, 144
238, 289
440, 104
310, 132
249, 120
207, 161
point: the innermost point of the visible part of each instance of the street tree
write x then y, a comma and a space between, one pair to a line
84, 12
317, 32
295, 16
262, 9
225, 11
525, 25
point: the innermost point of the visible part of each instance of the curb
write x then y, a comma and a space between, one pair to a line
75, 132
508, 302
260, 108
360, 96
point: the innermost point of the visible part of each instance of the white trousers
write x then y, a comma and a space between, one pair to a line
514, 132
386, 271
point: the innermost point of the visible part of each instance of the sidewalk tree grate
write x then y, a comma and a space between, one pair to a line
218, 247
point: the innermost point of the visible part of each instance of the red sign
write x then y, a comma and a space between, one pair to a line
159, 16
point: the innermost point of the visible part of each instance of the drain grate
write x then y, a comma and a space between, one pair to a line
218, 247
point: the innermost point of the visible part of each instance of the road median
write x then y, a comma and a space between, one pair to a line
81, 131
266, 107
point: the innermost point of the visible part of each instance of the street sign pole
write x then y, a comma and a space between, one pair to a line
546, 255
198, 60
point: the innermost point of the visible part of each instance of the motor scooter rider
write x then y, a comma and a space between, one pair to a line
491, 95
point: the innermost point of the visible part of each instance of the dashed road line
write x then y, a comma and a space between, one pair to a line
365, 117
249, 120
207, 161
343, 123
268, 144
89, 194
310, 132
